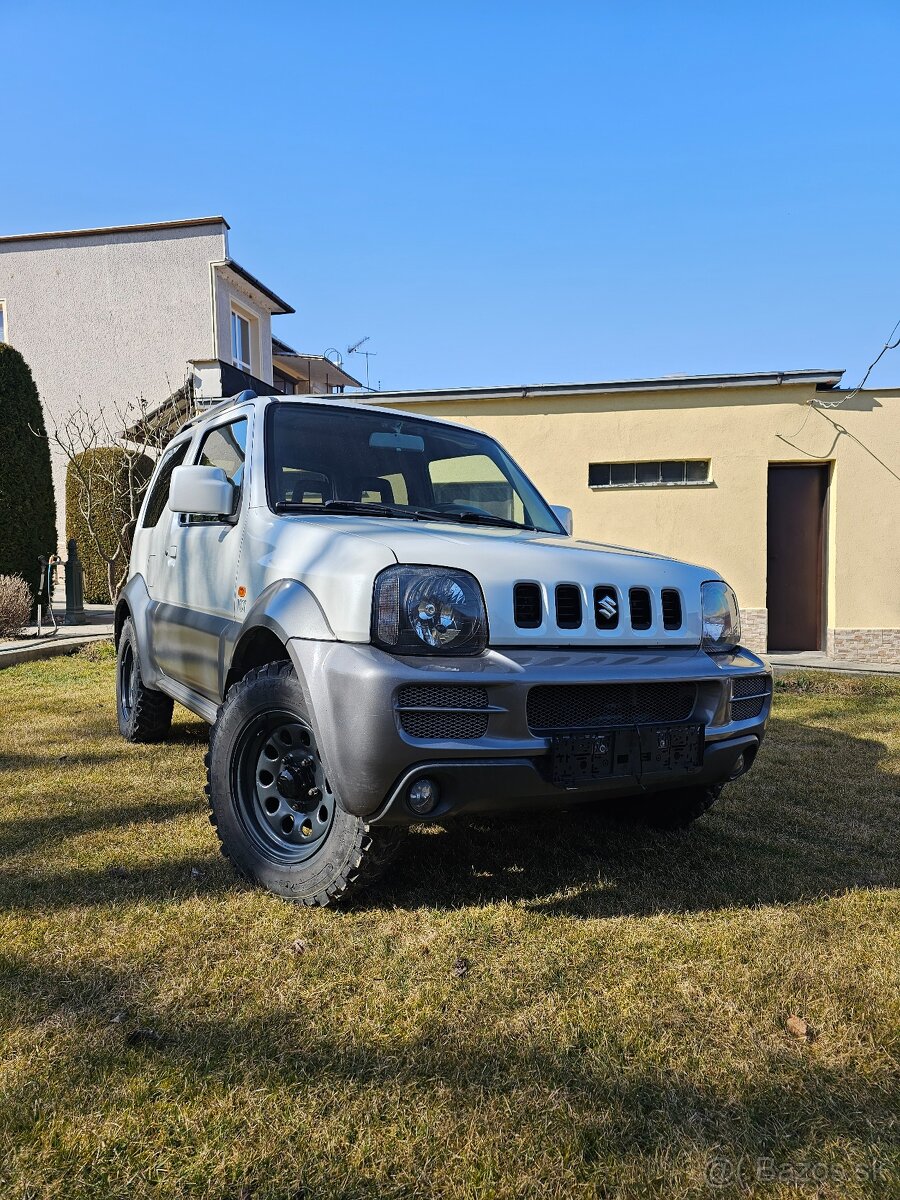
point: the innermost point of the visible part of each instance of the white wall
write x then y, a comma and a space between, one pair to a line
231, 290
109, 317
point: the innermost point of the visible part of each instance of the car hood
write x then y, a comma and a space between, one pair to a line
339, 557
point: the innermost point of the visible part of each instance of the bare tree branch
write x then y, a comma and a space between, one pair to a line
134, 432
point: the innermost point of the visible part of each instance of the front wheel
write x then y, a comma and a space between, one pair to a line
271, 801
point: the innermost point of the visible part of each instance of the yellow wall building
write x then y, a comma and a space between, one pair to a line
783, 482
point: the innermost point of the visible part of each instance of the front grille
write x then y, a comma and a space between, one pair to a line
671, 609
641, 613
606, 607
568, 606
527, 605
559, 707
443, 712
749, 695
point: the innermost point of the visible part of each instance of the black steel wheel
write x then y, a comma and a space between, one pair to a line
144, 714
281, 792
276, 814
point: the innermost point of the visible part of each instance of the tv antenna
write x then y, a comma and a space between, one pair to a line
367, 354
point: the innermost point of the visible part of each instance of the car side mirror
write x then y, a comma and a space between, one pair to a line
563, 515
201, 491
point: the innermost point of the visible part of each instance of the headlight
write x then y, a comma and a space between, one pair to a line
428, 610
721, 617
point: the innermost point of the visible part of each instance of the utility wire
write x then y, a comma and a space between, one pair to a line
890, 344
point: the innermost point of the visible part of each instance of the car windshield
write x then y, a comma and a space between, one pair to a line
351, 461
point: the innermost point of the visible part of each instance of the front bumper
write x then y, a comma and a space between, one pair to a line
352, 689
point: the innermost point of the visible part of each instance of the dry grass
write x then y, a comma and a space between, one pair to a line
553, 1008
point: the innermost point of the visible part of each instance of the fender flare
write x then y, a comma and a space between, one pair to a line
289, 609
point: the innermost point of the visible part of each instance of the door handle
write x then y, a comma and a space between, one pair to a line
171, 551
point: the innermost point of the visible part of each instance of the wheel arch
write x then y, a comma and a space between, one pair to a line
286, 609
256, 647
122, 613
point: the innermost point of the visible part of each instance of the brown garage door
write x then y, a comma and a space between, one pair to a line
796, 556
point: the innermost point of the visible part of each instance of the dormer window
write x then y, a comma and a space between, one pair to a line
241, 341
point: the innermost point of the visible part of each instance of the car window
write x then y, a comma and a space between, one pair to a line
474, 481
315, 455
224, 447
159, 492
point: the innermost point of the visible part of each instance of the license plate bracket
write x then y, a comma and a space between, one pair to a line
579, 759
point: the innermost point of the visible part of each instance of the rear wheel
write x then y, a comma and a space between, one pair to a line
273, 806
145, 715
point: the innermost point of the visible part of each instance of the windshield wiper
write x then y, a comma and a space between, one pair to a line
475, 518
362, 508
352, 507
336, 506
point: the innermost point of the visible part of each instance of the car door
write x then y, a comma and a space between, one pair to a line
152, 535
197, 579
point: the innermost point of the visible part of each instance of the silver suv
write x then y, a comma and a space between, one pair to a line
385, 623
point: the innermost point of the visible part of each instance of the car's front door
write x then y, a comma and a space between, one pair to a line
197, 579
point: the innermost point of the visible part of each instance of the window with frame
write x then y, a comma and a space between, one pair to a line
241, 341
225, 447
657, 473
2, 320
159, 492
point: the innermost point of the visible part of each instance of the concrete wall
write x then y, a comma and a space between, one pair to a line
723, 525
110, 317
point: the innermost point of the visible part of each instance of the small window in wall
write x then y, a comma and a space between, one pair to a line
2, 320
241, 341
663, 473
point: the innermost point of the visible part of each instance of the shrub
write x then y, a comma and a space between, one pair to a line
104, 473
27, 511
15, 604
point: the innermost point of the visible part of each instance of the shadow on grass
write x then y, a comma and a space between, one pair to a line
602, 1107
816, 817
19, 835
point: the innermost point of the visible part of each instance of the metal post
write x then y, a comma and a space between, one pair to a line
74, 587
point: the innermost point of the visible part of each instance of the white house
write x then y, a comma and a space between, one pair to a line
108, 315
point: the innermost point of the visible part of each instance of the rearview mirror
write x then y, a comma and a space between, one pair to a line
201, 491
562, 514
397, 441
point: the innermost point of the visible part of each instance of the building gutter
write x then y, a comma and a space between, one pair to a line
821, 380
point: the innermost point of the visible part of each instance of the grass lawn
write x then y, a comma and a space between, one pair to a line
556, 1007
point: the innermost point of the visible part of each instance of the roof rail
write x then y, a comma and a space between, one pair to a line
228, 402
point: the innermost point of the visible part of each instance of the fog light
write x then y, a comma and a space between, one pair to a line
739, 767
423, 795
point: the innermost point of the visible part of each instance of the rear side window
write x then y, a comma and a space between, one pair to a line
159, 493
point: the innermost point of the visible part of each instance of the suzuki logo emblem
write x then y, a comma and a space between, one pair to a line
607, 606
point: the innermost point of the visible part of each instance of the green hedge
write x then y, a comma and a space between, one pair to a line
101, 466
27, 511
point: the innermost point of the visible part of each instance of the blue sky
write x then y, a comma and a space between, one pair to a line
494, 193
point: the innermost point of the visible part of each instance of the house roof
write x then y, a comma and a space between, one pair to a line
281, 306
821, 380
149, 226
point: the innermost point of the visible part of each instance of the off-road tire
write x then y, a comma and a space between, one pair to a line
669, 810
144, 714
350, 856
